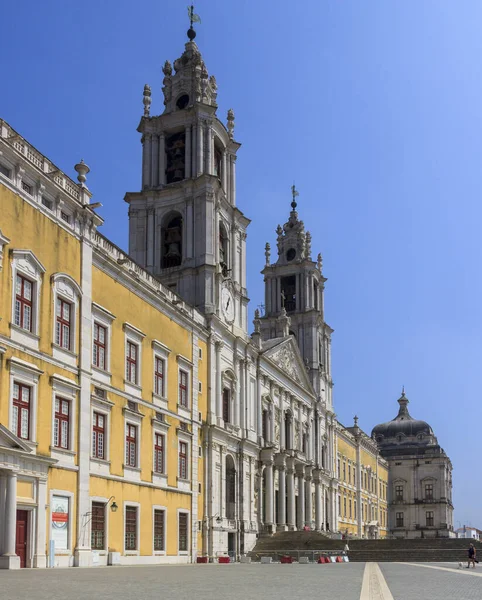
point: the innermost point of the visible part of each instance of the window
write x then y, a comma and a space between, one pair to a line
183, 396
131, 528
349, 507
5, 171
344, 471
429, 491
172, 241
349, 473
61, 423
131, 362
47, 203
399, 519
159, 453
429, 518
64, 216
159, 366
399, 493
98, 435
159, 516
98, 526
100, 346
27, 188
183, 472
183, 532
131, 445
21, 410
339, 469
62, 328
344, 506
226, 402
23, 303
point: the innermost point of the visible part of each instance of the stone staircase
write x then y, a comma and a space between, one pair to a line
313, 544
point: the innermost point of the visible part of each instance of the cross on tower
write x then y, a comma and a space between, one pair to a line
294, 193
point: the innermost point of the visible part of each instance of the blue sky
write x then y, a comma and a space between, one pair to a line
373, 108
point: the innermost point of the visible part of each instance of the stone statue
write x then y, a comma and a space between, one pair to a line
267, 253
147, 100
231, 123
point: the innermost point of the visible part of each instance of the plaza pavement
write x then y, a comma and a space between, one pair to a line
353, 581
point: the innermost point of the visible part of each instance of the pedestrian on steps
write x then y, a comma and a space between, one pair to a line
472, 556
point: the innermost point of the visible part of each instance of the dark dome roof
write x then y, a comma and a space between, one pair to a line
403, 423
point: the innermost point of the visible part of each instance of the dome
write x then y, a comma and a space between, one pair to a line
402, 424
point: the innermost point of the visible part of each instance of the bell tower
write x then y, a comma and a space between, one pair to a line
295, 283
184, 226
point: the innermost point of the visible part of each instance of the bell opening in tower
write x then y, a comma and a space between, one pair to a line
218, 161
223, 250
175, 157
288, 293
172, 242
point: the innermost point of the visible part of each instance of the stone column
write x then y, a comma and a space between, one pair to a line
269, 494
154, 161
290, 488
162, 159
209, 150
150, 238
200, 149
259, 405
318, 509
146, 160
3, 491
39, 558
309, 501
225, 174
242, 397
188, 155
301, 500
9, 560
281, 498
334, 515
233, 180
219, 392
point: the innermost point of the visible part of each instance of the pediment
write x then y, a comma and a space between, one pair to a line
10, 441
287, 357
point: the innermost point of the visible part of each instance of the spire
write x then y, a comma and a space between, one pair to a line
193, 18
294, 193
403, 402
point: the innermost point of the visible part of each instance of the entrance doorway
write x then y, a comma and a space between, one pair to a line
232, 545
21, 539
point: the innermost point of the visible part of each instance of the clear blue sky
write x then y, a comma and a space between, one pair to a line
373, 108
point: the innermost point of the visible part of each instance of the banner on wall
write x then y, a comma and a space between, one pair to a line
60, 522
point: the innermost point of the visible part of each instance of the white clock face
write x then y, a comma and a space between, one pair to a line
227, 304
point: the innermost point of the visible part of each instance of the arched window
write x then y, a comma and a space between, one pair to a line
223, 250
305, 443
172, 242
175, 157
218, 163
230, 488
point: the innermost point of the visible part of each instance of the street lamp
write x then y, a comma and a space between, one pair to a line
113, 506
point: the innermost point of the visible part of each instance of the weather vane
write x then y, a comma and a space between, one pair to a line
193, 18
295, 193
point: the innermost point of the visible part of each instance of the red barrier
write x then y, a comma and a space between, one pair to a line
202, 559
339, 559
286, 560
224, 560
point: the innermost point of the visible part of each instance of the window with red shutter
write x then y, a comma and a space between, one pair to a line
63, 324
183, 532
159, 453
131, 528
131, 362
100, 347
98, 526
21, 410
159, 544
159, 376
183, 389
183, 470
62, 423
131, 445
98, 435
23, 303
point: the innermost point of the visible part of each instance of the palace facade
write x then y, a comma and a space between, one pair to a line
140, 422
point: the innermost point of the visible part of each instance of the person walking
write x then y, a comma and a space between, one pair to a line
472, 555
